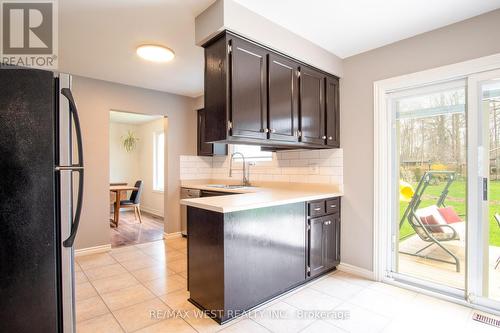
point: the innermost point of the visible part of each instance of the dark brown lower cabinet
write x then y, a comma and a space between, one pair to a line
323, 243
239, 260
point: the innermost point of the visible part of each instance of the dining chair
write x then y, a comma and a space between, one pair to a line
135, 200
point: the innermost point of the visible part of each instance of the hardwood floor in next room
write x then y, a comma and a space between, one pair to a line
131, 232
117, 291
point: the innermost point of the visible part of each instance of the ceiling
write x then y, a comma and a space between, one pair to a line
130, 118
98, 38
349, 27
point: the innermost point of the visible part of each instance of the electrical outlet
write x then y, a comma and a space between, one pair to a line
313, 168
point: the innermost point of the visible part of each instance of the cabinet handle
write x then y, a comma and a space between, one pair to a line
330, 138
324, 137
273, 130
328, 222
317, 209
266, 130
333, 206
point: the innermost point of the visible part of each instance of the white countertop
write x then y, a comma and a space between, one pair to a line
259, 197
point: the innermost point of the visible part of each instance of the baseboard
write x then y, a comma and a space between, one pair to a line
355, 270
152, 211
93, 250
172, 235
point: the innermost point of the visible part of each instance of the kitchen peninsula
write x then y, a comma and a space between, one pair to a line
245, 249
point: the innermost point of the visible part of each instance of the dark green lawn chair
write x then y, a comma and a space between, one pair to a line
497, 218
431, 233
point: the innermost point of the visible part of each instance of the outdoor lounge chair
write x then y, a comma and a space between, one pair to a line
437, 232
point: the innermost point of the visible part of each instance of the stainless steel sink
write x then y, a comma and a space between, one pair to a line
229, 187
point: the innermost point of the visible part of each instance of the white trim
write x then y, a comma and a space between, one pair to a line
93, 250
172, 235
477, 208
355, 270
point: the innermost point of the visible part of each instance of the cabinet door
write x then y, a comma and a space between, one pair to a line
283, 98
332, 113
204, 149
316, 247
248, 95
331, 229
312, 106
337, 240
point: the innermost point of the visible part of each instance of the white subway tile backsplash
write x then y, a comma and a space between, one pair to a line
299, 163
308, 154
290, 155
281, 178
318, 179
313, 166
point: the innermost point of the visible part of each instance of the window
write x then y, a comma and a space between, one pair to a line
159, 161
252, 153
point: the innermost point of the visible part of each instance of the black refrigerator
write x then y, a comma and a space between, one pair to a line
41, 191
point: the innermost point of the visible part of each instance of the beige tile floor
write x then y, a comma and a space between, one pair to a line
117, 291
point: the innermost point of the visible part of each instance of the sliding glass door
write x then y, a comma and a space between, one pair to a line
484, 189
429, 178
445, 157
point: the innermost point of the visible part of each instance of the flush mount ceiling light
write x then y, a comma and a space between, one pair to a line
156, 53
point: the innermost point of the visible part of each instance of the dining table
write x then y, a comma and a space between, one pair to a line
118, 189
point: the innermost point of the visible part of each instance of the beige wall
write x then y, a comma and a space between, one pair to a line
95, 99
462, 41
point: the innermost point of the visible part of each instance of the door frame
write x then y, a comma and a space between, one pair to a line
479, 150
383, 212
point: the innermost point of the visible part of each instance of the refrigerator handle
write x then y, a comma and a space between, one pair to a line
75, 168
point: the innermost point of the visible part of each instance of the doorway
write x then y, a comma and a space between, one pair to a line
137, 177
437, 182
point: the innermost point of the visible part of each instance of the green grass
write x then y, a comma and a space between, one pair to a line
456, 199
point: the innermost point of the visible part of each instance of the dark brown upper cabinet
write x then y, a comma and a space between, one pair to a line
206, 148
248, 113
312, 106
283, 95
332, 113
255, 95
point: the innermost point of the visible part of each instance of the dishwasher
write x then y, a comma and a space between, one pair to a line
187, 193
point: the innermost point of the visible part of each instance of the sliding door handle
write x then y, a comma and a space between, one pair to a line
485, 189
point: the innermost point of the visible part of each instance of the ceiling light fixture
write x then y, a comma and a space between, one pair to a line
156, 53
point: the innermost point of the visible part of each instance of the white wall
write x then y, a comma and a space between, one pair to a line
123, 165
152, 201
458, 42
95, 99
